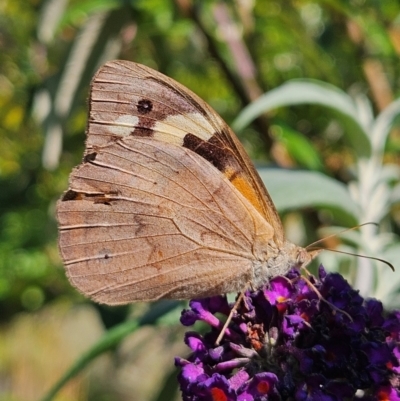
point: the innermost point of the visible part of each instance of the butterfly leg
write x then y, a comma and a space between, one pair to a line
320, 296
229, 319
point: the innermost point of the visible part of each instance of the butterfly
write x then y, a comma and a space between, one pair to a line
166, 202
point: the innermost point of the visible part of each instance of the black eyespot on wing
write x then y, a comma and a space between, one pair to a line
144, 106
144, 127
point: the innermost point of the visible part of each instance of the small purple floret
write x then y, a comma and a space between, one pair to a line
285, 343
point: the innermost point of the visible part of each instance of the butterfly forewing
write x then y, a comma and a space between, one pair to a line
129, 99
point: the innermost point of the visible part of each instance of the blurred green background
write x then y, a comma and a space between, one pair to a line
324, 133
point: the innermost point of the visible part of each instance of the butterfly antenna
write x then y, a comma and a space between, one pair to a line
358, 255
311, 247
339, 233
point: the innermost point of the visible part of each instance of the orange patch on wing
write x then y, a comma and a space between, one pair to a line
245, 188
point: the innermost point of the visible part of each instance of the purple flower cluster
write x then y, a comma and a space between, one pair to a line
285, 343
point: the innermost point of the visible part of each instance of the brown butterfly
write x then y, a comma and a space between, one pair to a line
166, 203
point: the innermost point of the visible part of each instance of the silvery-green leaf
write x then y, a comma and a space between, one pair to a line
306, 91
291, 189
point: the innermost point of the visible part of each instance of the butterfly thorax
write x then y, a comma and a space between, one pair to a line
278, 261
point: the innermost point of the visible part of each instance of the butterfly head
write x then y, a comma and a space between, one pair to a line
303, 256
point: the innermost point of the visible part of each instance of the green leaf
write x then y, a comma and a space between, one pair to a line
307, 91
298, 147
388, 282
382, 125
110, 340
292, 189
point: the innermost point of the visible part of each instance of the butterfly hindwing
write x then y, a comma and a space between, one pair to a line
145, 219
